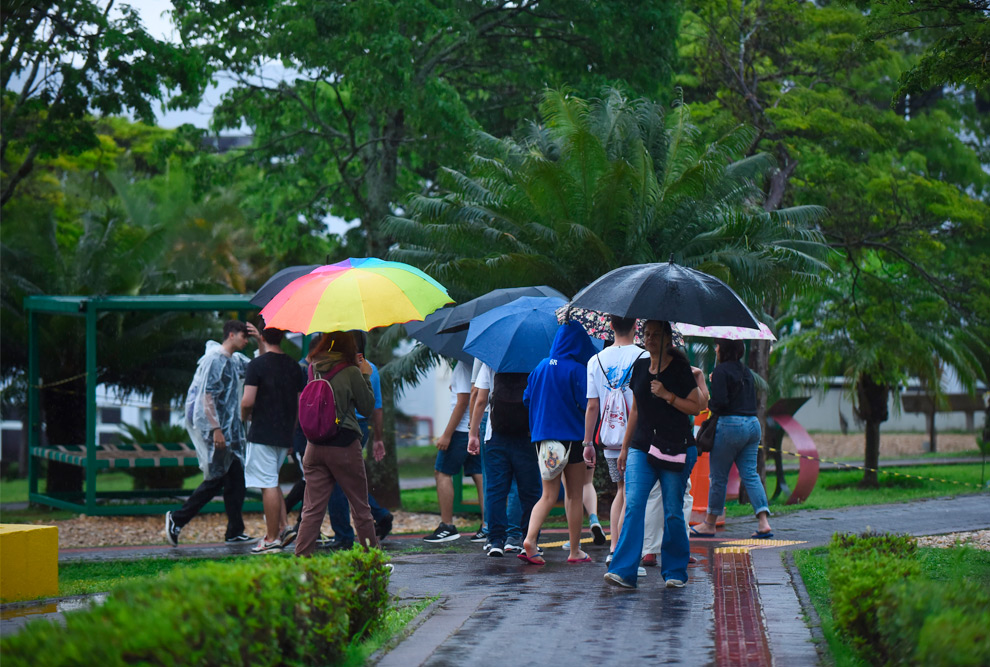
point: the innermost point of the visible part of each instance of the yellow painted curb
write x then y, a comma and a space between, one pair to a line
28, 561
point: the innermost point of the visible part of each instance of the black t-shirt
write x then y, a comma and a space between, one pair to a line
276, 405
656, 413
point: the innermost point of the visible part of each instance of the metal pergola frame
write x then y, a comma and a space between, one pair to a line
90, 309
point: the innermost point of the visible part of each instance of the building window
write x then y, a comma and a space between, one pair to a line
110, 415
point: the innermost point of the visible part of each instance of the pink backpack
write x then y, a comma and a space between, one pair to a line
317, 407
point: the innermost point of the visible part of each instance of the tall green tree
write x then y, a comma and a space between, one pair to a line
904, 191
62, 61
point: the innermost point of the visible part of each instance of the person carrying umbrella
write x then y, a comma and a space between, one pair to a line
658, 445
555, 396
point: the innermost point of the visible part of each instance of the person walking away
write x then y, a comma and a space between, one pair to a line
340, 517
509, 454
452, 456
338, 461
272, 383
608, 371
664, 394
212, 419
737, 439
555, 397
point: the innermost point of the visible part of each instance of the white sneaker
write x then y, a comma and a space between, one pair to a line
640, 571
265, 547
512, 549
608, 559
675, 583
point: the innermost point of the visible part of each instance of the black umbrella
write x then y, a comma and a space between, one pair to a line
276, 283
448, 345
666, 292
460, 316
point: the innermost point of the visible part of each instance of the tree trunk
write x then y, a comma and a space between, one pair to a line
872, 408
65, 424
759, 363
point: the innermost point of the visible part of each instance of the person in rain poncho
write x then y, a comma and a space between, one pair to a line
212, 419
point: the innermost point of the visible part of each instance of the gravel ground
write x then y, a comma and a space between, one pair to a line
979, 539
103, 531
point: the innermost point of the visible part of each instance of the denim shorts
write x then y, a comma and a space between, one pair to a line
451, 460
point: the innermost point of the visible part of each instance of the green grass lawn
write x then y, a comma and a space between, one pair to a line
16, 490
939, 564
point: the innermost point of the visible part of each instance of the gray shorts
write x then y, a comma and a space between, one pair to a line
613, 469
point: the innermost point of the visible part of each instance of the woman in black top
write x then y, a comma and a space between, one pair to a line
737, 439
664, 394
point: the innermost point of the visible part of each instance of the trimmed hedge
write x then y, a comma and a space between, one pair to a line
892, 615
267, 611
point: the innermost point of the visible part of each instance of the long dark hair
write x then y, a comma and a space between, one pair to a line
341, 342
730, 350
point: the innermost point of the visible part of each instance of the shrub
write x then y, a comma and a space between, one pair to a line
271, 611
924, 622
861, 569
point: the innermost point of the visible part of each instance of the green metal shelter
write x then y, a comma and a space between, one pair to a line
90, 455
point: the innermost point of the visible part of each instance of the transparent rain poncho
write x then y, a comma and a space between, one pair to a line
214, 401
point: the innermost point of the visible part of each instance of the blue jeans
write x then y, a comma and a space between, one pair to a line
510, 458
674, 548
340, 510
737, 440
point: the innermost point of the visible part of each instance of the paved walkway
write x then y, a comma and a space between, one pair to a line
741, 605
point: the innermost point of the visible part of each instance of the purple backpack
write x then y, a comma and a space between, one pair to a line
317, 408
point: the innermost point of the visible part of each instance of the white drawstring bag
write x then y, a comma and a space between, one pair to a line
552, 455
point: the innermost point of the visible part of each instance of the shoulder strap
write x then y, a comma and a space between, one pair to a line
333, 371
604, 374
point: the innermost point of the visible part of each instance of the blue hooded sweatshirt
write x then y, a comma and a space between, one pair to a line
557, 391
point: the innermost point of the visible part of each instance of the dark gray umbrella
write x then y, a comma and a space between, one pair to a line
460, 316
448, 345
666, 292
275, 284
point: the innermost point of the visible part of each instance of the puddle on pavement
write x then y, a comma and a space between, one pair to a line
45, 607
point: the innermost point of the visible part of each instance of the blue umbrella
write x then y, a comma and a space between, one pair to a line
448, 345
514, 338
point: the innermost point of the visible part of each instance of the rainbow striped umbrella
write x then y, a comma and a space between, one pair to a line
358, 293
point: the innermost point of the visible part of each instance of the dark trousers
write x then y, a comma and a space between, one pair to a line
232, 485
509, 458
340, 509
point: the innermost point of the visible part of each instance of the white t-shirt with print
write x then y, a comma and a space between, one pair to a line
615, 363
460, 383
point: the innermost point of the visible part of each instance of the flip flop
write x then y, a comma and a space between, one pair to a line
586, 559
532, 560
761, 536
696, 533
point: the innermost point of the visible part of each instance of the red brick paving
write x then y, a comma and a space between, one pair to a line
740, 634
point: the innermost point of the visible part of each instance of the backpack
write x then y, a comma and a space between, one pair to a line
317, 408
509, 414
615, 412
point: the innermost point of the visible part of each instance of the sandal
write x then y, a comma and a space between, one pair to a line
532, 560
761, 536
586, 559
696, 533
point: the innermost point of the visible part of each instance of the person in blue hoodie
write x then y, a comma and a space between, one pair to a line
555, 396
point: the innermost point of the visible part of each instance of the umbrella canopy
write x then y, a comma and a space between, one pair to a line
515, 337
726, 333
358, 293
277, 283
448, 345
461, 315
666, 292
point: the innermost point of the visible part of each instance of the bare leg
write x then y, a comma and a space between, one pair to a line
551, 488
274, 506
574, 478
445, 496
479, 483
590, 495
616, 514
764, 519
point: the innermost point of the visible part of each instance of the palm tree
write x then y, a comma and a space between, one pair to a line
600, 184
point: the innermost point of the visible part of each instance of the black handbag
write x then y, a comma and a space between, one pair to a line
706, 434
664, 454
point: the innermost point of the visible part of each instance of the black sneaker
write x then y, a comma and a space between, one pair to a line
480, 536
243, 538
383, 527
443, 533
171, 530
495, 552
288, 535
337, 544
599, 533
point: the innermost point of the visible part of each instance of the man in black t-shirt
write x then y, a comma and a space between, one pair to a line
272, 384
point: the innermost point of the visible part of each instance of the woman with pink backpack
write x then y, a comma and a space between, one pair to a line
339, 386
